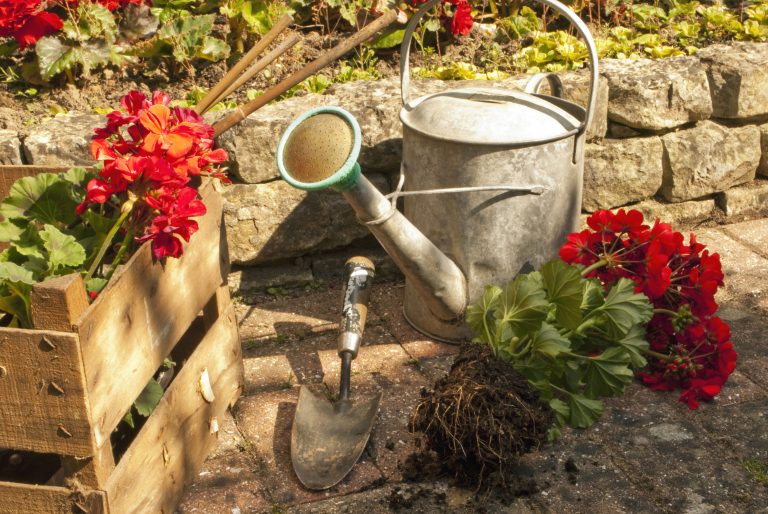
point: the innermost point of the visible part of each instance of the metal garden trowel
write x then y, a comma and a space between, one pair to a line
328, 438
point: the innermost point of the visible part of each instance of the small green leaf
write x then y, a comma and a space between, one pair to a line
9, 231
55, 57
12, 272
149, 398
608, 373
95, 284
624, 308
593, 296
63, 250
213, 49
523, 304
548, 341
128, 418
480, 314
564, 287
561, 409
584, 412
635, 344
388, 40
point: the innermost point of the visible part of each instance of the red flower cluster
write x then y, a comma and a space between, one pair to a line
29, 20
150, 153
461, 21
692, 347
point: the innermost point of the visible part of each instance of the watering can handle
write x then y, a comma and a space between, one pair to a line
405, 49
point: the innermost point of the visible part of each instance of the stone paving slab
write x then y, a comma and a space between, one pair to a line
648, 453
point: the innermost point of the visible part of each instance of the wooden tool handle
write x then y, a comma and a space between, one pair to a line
358, 274
310, 69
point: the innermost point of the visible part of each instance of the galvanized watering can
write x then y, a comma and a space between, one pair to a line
491, 181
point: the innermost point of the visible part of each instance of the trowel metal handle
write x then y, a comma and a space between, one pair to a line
358, 276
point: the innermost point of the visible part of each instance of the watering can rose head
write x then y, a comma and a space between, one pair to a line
150, 153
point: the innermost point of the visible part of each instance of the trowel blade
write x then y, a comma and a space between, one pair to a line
328, 438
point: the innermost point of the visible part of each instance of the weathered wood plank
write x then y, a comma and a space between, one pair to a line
58, 302
42, 499
171, 447
43, 406
136, 321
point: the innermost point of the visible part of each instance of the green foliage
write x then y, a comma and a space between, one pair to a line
87, 41
361, 67
186, 37
573, 342
44, 236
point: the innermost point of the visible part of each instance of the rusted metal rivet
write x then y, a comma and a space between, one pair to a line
63, 432
55, 389
3, 372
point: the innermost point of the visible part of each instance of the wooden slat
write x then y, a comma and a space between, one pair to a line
41, 499
147, 306
58, 302
170, 449
43, 406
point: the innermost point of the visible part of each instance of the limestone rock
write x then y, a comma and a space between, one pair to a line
749, 200
62, 141
677, 214
738, 74
621, 171
708, 158
252, 280
657, 94
272, 221
762, 170
10, 147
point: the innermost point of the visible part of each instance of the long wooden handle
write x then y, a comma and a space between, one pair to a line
259, 65
237, 69
310, 69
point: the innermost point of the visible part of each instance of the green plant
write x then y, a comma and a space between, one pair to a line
574, 342
87, 40
46, 239
361, 67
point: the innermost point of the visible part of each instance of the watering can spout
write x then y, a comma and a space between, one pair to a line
319, 150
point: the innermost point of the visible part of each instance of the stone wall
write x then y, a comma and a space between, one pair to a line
684, 139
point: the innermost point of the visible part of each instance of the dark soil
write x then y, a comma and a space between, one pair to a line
477, 422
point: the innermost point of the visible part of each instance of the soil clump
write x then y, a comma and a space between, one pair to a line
476, 423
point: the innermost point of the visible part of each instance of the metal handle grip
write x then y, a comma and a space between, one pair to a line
581, 27
358, 276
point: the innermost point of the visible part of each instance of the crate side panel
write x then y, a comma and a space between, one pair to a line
170, 449
43, 403
136, 321
41, 499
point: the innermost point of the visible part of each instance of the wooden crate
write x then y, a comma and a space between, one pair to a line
65, 385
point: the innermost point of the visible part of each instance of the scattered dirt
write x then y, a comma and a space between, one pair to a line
476, 423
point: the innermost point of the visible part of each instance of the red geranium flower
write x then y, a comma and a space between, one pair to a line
27, 21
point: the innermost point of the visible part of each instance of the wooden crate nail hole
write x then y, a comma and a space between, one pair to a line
28, 467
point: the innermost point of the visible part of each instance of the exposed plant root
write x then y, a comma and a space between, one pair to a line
480, 418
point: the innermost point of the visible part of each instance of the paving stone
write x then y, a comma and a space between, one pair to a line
228, 483
265, 421
229, 438
745, 270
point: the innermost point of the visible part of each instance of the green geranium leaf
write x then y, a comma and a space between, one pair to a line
149, 398
548, 341
55, 57
213, 49
95, 284
12, 272
45, 198
63, 250
584, 411
608, 373
624, 308
77, 176
523, 304
561, 409
29, 243
635, 344
128, 418
388, 40
564, 287
9, 231
480, 314
593, 296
